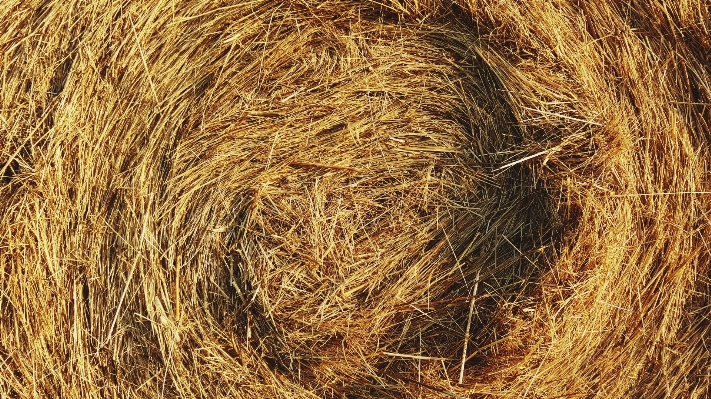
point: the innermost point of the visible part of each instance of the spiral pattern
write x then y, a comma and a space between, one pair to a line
203, 198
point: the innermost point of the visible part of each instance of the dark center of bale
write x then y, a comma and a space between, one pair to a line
365, 192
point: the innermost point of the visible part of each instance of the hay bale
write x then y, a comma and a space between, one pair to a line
346, 199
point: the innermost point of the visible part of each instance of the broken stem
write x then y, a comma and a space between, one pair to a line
466, 333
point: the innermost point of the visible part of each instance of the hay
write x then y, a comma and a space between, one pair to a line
204, 198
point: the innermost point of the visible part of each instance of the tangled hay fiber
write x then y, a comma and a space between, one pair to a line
355, 199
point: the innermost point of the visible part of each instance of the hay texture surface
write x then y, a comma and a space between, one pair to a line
355, 199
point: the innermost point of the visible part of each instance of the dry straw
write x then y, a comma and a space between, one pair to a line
301, 199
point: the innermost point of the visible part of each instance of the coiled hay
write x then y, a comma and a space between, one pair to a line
203, 198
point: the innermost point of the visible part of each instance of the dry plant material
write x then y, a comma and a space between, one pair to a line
204, 198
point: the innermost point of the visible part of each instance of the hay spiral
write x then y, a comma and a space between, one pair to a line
206, 198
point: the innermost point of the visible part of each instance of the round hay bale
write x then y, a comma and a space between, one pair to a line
206, 198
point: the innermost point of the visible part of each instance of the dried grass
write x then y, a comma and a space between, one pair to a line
203, 198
